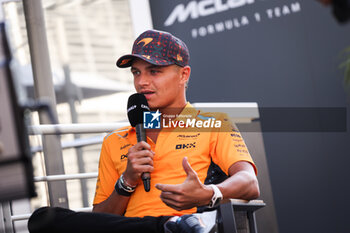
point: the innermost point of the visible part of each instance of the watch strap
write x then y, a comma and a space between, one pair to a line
216, 198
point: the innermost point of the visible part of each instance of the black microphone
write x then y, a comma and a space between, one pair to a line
137, 104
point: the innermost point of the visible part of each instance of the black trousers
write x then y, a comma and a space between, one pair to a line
60, 220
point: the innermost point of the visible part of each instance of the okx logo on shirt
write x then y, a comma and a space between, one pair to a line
151, 120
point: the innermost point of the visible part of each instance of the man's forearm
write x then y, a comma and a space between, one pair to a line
114, 204
242, 184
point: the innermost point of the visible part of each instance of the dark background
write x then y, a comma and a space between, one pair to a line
287, 61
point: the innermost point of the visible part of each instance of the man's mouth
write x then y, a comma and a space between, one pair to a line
147, 94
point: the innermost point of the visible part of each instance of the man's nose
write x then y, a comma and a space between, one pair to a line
144, 80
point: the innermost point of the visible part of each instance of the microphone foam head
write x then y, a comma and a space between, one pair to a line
137, 104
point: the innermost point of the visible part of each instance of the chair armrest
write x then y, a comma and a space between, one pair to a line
239, 204
226, 219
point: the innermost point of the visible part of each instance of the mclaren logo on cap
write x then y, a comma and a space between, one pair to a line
124, 61
146, 41
179, 58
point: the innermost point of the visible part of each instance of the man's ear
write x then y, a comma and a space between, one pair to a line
185, 74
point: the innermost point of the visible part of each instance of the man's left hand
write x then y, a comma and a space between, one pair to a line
191, 193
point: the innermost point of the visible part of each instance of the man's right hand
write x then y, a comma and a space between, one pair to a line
140, 160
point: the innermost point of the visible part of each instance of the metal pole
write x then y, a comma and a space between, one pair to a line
34, 16
67, 177
69, 86
72, 94
8, 225
2, 219
75, 128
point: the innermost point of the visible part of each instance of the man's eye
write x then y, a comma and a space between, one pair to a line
135, 72
155, 71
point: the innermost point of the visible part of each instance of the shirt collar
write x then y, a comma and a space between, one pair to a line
188, 112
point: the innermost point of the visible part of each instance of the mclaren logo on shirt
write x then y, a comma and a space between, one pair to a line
185, 146
188, 136
122, 157
125, 146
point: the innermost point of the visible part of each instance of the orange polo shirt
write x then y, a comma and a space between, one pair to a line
224, 146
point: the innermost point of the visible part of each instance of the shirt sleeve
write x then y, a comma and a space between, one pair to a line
107, 175
228, 146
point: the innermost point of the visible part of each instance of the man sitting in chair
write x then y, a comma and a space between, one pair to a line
177, 158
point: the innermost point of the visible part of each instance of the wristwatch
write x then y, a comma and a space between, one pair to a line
216, 198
